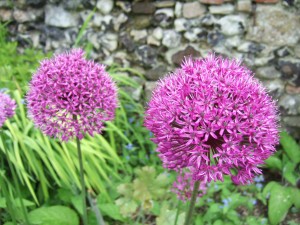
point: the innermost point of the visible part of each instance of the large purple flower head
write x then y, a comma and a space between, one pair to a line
7, 107
70, 96
213, 117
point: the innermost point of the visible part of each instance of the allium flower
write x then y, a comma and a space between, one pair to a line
70, 96
184, 186
213, 117
7, 107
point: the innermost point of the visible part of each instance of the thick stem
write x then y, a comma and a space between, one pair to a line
189, 215
85, 220
177, 213
96, 210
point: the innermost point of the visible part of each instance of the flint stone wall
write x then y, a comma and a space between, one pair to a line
154, 36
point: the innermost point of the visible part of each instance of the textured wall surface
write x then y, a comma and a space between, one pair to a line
154, 36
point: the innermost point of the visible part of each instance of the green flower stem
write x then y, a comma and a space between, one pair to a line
93, 203
177, 213
16, 183
85, 220
189, 214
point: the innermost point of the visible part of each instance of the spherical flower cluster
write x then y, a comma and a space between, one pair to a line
212, 117
70, 96
7, 107
184, 186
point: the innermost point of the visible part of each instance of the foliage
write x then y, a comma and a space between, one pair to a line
141, 194
287, 164
222, 203
53, 215
168, 216
136, 146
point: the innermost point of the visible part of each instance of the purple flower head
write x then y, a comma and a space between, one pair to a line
184, 186
70, 96
213, 117
7, 108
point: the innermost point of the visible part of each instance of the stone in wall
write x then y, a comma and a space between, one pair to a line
244, 6
67, 4
290, 104
275, 87
188, 51
28, 15
267, 72
275, 26
5, 15
290, 70
164, 17
212, 2
165, 4
193, 9
58, 17
224, 9
124, 5
149, 87
143, 8
156, 73
105, 6
214, 38
141, 22
171, 39
146, 55
232, 24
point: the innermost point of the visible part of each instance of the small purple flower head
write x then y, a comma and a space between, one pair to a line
213, 117
184, 185
7, 108
70, 96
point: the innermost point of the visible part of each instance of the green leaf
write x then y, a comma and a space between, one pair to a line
274, 163
127, 206
26, 203
268, 188
156, 208
59, 215
77, 203
213, 212
199, 220
9, 223
296, 197
290, 146
2, 202
168, 217
236, 200
218, 222
288, 172
65, 195
250, 220
279, 204
233, 216
111, 210
125, 189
